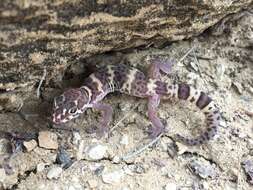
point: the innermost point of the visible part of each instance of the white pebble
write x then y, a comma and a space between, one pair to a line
97, 152
76, 138
116, 159
170, 186
79, 154
92, 183
40, 167
30, 145
54, 172
2, 175
113, 177
124, 140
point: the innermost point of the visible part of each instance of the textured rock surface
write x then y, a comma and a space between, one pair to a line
38, 35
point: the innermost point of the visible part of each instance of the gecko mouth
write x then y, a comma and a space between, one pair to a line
58, 119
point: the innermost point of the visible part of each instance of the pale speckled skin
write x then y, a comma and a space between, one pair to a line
131, 81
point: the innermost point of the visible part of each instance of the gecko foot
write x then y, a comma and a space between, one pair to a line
102, 131
154, 132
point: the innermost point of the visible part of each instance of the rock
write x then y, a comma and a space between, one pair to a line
79, 153
48, 140
137, 168
75, 186
76, 138
250, 144
2, 175
116, 159
96, 152
170, 186
205, 185
128, 171
40, 167
203, 168
124, 140
54, 172
97, 168
92, 183
248, 169
63, 159
29, 39
4, 143
30, 145
113, 177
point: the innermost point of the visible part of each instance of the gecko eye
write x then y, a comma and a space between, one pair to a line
73, 110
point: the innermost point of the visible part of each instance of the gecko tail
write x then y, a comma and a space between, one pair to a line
209, 134
205, 104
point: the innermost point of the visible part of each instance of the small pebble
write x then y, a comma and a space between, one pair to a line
4, 146
249, 143
203, 168
40, 167
97, 152
54, 172
63, 158
99, 170
128, 171
30, 145
76, 138
93, 183
137, 168
170, 186
74, 186
113, 177
79, 153
2, 175
124, 140
205, 185
48, 140
248, 169
116, 159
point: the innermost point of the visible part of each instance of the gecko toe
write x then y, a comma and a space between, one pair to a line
154, 132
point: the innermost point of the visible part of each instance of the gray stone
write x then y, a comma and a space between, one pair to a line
54, 172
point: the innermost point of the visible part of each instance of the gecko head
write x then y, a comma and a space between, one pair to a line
69, 105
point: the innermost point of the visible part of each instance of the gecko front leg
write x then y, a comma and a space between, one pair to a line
103, 125
158, 127
158, 65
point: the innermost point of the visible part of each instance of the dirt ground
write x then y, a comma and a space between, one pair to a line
219, 62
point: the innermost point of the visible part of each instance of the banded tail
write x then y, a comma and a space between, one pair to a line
204, 103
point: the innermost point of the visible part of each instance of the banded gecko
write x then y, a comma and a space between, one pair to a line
133, 82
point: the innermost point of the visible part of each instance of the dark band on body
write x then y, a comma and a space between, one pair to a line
203, 100
183, 91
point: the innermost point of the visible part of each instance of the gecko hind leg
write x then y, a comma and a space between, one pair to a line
103, 125
158, 126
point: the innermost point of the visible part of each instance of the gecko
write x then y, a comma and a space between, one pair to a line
131, 81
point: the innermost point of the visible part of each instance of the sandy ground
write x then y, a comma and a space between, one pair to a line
219, 62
